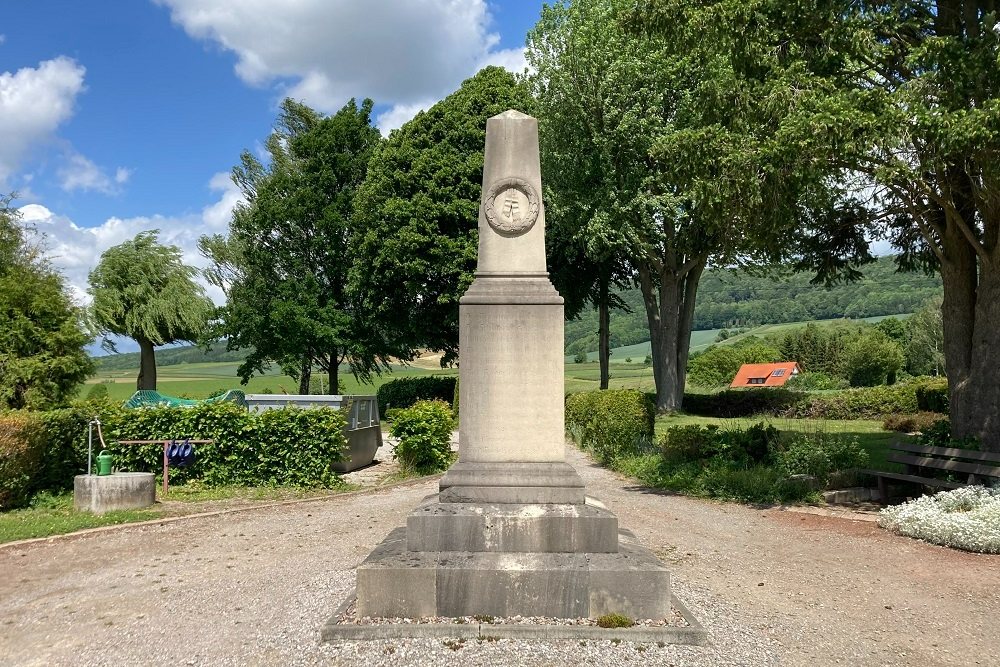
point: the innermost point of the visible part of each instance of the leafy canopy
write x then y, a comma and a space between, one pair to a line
142, 290
42, 337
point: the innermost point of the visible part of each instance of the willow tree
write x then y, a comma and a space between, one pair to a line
674, 161
142, 290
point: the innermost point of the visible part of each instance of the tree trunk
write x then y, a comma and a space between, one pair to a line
981, 402
305, 375
603, 331
147, 366
670, 314
333, 373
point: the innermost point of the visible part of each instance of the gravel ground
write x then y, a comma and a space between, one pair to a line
254, 588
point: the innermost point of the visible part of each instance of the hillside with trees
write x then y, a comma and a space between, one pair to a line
728, 299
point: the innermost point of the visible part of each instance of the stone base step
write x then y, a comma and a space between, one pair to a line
396, 582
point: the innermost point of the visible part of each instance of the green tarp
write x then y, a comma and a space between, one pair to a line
145, 398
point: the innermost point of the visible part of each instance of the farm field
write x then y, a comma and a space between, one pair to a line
700, 340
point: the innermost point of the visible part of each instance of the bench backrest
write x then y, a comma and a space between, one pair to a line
951, 459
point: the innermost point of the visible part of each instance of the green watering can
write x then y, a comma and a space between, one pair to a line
104, 462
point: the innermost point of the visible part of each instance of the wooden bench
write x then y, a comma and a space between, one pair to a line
922, 462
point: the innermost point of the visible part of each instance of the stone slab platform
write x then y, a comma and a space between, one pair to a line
538, 528
396, 582
694, 634
515, 483
119, 491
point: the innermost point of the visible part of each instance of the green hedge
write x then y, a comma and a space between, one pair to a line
43, 451
861, 403
404, 392
21, 445
610, 423
733, 403
287, 447
932, 396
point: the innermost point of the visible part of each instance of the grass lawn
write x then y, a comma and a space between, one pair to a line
870, 434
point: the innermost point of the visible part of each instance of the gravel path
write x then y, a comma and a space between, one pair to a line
771, 586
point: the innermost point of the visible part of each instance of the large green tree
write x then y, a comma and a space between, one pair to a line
678, 162
285, 263
903, 99
142, 290
42, 337
417, 213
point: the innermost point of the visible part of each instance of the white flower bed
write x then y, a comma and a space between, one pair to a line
966, 518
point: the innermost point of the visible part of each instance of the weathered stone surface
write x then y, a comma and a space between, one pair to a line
567, 585
541, 528
512, 482
120, 491
511, 318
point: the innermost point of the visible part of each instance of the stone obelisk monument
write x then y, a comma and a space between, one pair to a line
511, 531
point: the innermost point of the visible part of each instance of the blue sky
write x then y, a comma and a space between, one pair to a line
116, 117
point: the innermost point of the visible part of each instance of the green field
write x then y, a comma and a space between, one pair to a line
703, 339
203, 379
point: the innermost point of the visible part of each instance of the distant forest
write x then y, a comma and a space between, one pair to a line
728, 299
725, 299
171, 356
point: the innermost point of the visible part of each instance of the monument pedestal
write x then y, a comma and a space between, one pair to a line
511, 532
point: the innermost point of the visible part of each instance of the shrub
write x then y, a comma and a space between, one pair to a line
687, 444
97, 392
917, 422
819, 454
817, 381
872, 359
404, 392
744, 402
424, 433
932, 396
967, 518
21, 448
611, 423
865, 403
287, 447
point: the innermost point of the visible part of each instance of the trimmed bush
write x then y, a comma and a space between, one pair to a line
863, 403
287, 447
404, 392
817, 381
932, 396
917, 422
611, 423
21, 449
424, 432
966, 518
734, 403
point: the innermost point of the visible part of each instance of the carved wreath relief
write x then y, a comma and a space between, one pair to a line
511, 206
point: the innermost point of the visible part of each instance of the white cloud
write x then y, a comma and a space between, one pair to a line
398, 52
75, 250
33, 103
80, 173
399, 114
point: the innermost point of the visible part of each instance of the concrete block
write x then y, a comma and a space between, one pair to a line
394, 581
120, 491
541, 528
516, 482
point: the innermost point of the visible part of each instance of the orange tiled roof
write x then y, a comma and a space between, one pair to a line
765, 375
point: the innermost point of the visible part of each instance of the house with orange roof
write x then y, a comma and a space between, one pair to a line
765, 375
